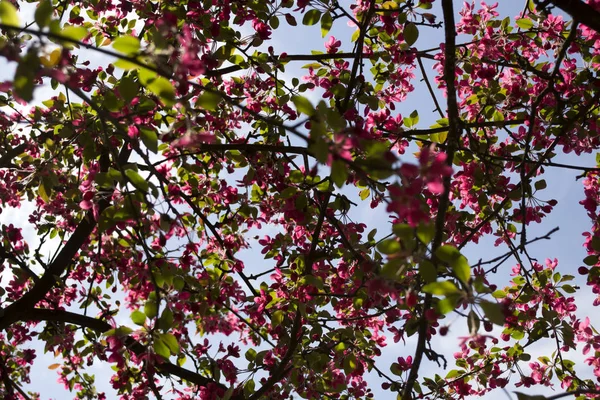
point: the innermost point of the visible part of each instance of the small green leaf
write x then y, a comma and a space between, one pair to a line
166, 319
161, 348
163, 87
525, 23
250, 355
339, 173
150, 309
389, 246
393, 269
411, 33
128, 88
171, 341
125, 64
8, 13
74, 32
443, 288
539, 185
43, 13
277, 318
291, 20
150, 139
129, 45
208, 101
448, 304
350, 364
326, 23
411, 120
590, 260
427, 271
473, 323
137, 180
303, 105
461, 269
447, 253
138, 317
426, 232
493, 311
523, 396
311, 17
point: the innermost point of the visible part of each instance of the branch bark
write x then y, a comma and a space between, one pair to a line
580, 11
454, 132
39, 314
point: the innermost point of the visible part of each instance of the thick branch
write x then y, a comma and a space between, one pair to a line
38, 314
454, 131
580, 11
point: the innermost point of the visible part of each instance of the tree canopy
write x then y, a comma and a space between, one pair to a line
188, 200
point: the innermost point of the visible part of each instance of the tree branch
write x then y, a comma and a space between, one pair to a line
454, 132
580, 11
39, 314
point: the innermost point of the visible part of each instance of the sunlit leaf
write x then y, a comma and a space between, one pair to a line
8, 13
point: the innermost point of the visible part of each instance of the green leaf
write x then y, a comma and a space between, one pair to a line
393, 269
389, 246
291, 20
493, 311
523, 396
539, 185
448, 304
303, 105
74, 32
150, 139
138, 317
403, 231
427, 271
339, 173
426, 232
350, 364
45, 190
525, 23
590, 260
277, 318
326, 23
164, 89
8, 13
128, 88
126, 65
25, 74
208, 101
473, 323
250, 354
137, 180
171, 341
166, 319
411, 120
461, 269
129, 45
43, 13
443, 288
311, 17
447, 253
161, 348
120, 331
411, 33
150, 309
